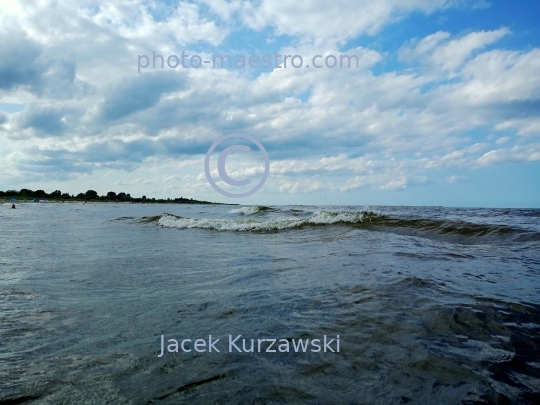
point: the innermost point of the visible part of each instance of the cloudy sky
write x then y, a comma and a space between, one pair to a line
442, 108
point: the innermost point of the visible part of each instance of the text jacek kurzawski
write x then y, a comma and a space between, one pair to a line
239, 344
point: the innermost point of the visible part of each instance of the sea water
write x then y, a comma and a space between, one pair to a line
431, 305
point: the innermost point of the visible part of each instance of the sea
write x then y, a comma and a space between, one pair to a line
408, 305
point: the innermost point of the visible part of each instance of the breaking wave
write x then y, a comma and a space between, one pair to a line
255, 209
454, 231
277, 224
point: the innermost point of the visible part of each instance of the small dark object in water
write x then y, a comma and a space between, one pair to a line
13, 206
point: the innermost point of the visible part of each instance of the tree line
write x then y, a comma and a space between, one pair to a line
57, 194
92, 195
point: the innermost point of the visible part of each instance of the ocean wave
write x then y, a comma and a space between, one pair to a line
445, 227
122, 219
255, 209
452, 231
154, 218
319, 218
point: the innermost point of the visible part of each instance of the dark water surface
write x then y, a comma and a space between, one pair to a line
432, 305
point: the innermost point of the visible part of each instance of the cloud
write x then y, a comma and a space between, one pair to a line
334, 21
28, 66
500, 76
391, 123
20, 63
142, 20
515, 154
47, 119
454, 179
446, 55
137, 93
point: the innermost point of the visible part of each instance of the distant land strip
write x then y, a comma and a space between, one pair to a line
26, 195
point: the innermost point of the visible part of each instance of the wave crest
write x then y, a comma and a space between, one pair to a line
451, 231
255, 209
277, 224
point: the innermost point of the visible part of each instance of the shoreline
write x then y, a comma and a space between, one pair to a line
75, 201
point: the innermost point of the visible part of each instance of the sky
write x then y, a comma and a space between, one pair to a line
440, 106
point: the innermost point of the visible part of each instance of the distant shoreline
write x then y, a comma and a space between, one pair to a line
76, 201
91, 196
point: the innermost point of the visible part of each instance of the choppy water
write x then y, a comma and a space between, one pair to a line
432, 305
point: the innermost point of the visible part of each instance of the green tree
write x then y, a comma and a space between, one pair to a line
91, 194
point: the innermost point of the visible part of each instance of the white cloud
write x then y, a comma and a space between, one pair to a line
525, 127
454, 179
444, 55
503, 76
514, 154
333, 21
396, 184
327, 130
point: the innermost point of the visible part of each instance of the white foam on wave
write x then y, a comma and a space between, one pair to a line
280, 223
247, 210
